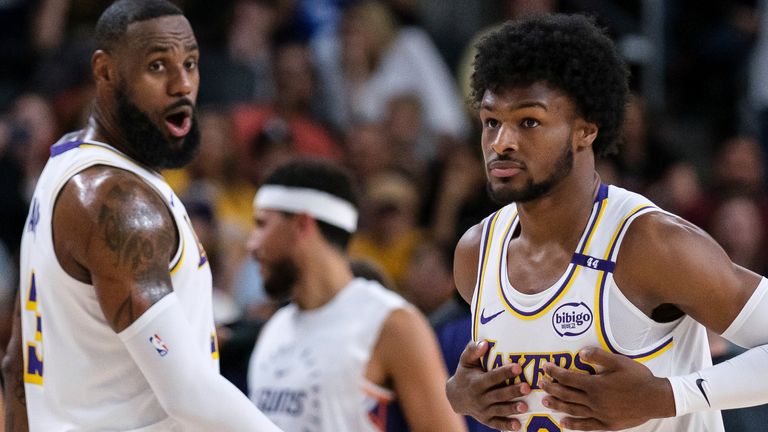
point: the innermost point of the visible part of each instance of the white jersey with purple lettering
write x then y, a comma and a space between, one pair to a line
78, 375
583, 308
307, 372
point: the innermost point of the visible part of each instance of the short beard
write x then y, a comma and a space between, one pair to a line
282, 277
147, 143
532, 190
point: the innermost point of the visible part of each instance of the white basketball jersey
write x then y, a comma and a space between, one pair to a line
307, 372
583, 308
78, 375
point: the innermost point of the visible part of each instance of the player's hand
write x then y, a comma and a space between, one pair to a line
624, 394
486, 395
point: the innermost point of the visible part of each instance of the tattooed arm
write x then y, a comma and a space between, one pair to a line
114, 231
13, 375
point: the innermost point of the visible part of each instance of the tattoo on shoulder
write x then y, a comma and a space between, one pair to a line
134, 250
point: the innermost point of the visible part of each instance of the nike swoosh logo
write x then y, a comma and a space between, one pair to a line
700, 385
485, 320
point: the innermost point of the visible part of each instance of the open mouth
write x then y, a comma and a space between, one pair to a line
179, 123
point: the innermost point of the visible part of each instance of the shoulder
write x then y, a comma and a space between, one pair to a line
403, 331
666, 259
465, 261
374, 291
101, 189
109, 205
658, 237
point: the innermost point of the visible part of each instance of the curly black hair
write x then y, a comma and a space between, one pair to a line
567, 52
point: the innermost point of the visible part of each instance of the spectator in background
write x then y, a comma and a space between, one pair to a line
381, 60
428, 285
738, 170
240, 69
758, 78
13, 210
368, 151
390, 233
458, 195
738, 226
643, 158
34, 128
411, 144
288, 117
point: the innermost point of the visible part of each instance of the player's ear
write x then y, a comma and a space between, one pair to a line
585, 134
103, 68
304, 223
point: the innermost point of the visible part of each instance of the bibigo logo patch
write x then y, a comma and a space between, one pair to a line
572, 319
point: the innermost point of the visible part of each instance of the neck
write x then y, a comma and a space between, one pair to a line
323, 275
561, 215
103, 127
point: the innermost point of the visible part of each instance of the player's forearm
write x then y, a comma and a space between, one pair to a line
740, 381
187, 387
737, 383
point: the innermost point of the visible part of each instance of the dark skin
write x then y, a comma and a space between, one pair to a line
666, 267
110, 228
14, 393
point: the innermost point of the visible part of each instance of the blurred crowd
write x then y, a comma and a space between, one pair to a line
381, 87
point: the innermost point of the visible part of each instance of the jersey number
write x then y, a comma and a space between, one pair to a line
541, 423
33, 356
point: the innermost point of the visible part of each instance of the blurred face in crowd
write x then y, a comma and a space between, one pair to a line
156, 90
294, 76
271, 244
740, 164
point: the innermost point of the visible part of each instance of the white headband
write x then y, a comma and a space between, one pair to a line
321, 205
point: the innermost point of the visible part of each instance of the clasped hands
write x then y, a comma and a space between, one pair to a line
623, 394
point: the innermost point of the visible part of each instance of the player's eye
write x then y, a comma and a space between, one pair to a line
156, 66
529, 123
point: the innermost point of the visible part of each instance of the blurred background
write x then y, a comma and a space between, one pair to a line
381, 87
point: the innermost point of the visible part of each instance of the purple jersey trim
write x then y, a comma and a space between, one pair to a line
602, 192
58, 149
483, 246
593, 263
601, 296
599, 203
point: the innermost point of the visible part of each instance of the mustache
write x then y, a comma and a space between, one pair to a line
503, 159
180, 103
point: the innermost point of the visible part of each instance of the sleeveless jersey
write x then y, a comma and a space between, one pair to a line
307, 372
78, 375
583, 308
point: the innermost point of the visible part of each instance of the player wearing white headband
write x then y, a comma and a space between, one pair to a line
344, 348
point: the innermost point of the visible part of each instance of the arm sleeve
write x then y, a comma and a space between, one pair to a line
188, 388
739, 382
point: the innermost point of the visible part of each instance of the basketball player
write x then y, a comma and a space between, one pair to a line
117, 328
571, 263
344, 348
